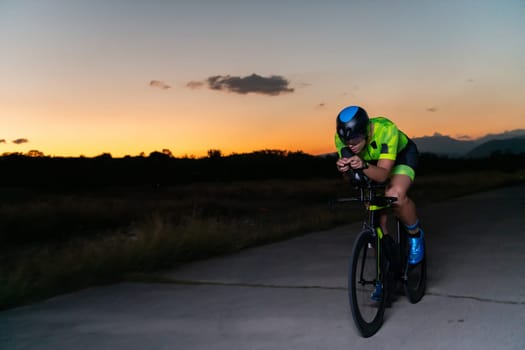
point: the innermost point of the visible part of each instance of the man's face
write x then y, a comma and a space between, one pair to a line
357, 144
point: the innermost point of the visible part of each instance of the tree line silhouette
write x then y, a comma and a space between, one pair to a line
162, 168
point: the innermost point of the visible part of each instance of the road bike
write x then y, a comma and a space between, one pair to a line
379, 262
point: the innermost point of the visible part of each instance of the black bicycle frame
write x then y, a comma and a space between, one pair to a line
375, 204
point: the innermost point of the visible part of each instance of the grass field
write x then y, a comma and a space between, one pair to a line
54, 242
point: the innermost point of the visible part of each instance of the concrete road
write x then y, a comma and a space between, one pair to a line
292, 295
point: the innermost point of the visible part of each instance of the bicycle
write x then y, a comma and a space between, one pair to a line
378, 259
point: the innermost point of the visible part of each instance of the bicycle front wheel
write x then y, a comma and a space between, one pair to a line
363, 276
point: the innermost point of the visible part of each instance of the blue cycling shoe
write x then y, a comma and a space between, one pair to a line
377, 294
416, 248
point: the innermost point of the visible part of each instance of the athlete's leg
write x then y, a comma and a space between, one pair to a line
404, 207
405, 210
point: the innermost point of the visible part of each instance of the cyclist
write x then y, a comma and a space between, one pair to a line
382, 151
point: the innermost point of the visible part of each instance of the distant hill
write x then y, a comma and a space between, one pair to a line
446, 145
514, 145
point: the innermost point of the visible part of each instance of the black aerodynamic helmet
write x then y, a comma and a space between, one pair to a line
352, 122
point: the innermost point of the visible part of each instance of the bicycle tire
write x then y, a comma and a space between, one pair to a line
414, 277
367, 313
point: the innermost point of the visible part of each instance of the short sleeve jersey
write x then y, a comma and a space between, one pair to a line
386, 142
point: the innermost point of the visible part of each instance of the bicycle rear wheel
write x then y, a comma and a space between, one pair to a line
363, 276
414, 276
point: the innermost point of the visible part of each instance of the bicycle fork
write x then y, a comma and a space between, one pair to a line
379, 237
374, 211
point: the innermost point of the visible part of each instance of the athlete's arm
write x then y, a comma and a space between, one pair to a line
381, 171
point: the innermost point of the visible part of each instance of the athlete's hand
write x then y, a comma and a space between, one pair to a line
356, 162
343, 164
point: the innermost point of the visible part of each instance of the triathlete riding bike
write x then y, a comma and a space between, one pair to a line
382, 151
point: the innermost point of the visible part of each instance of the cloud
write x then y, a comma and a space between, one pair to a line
273, 85
159, 84
195, 84
321, 105
432, 109
2, 140
20, 141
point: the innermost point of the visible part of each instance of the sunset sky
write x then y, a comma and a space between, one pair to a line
131, 76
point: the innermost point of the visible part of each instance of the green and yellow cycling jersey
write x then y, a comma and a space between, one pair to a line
385, 143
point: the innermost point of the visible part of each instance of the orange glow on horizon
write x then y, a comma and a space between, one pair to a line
235, 127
